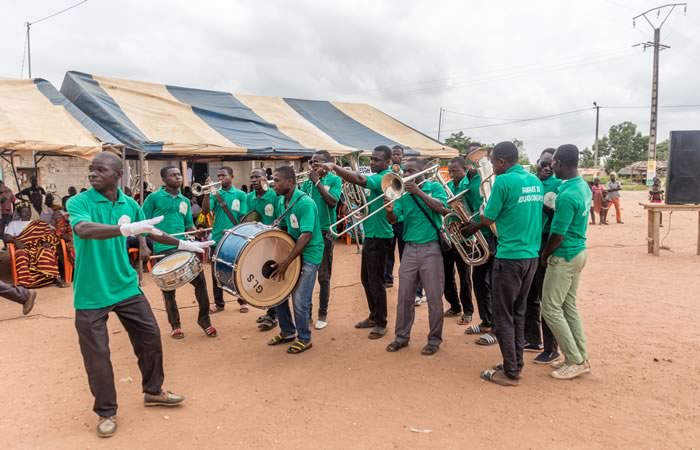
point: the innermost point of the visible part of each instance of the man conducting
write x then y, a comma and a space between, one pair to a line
105, 282
324, 188
515, 206
421, 209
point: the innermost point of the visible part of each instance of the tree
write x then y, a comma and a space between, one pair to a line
586, 158
662, 150
625, 145
523, 159
459, 141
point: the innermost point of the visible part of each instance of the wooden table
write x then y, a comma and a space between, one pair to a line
654, 221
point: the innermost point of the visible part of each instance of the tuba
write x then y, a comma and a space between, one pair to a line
480, 158
355, 197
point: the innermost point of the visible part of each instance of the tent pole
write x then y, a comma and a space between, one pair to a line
141, 158
124, 180
14, 172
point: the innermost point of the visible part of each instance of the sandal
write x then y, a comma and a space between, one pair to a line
244, 308
262, 318
429, 349
396, 346
177, 333
299, 347
213, 309
465, 319
281, 339
450, 313
267, 324
367, 323
477, 329
498, 377
210, 331
486, 340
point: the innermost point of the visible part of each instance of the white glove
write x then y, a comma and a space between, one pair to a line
550, 200
194, 246
144, 226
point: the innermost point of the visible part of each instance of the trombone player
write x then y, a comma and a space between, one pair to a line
378, 234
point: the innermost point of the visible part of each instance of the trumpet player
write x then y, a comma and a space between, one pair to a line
421, 209
396, 166
324, 188
228, 205
515, 205
378, 234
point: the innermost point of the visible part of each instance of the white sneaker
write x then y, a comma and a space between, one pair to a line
320, 324
418, 300
571, 372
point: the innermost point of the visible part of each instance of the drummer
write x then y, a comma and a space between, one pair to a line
177, 217
300, 218
263, 200
227, 201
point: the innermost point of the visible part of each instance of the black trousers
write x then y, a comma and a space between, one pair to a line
200, 293
374, 256
482, 282
462, 300
533, 318
17, 294
136, 316
396, 240
219, 293
512, 279
325, 271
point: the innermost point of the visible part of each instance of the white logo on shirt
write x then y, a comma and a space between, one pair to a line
269, 210
183, 208
236, 205
293, 221
123, 220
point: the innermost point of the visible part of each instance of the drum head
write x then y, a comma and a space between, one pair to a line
172, 262
252, 216
254, 267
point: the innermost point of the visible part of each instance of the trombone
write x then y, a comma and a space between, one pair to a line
393, 187
302, 177
199, 190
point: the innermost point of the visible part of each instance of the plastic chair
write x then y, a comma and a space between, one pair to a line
134, 257
67, 266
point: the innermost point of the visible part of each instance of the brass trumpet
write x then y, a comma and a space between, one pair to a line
199, 190
302, 177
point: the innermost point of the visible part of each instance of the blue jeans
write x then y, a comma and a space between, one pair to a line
301, 299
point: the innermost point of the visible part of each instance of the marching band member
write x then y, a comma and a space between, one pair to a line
460, 301
324, 188
263, 200
378, 234
515, 205
228, 205
396, 163
565, 257
421, 209
300, 219
105, 282
177, 218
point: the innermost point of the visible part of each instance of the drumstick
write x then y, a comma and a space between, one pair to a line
156, 257
186, 233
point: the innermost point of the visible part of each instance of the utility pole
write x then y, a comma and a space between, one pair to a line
29, 50
597, 121
439, 124
651, 154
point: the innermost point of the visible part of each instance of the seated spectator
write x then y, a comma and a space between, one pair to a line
7, 206
36, 251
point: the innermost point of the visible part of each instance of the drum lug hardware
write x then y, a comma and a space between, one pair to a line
224, 262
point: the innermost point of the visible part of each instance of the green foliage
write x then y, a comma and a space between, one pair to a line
624, 144
459, 141
586, 158
662, 151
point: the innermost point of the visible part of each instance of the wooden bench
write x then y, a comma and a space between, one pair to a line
654, 211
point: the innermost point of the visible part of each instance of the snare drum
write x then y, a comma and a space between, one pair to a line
243, 262
176, 270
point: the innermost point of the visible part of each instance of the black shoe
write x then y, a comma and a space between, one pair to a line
546, 357
388, 284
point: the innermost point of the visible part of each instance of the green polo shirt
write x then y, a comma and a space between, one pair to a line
176, 212
571, 217
265, 205
377, 225
103, 275
236, 201
326, 214
416, 228
303, 218
515, 205
458, 188
550, 184
474, 198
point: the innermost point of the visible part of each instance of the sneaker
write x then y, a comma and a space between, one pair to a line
29, 304
559, 364
418, 300
570, 372
321, 324
165, 398
533, 347
106, 426
546, 357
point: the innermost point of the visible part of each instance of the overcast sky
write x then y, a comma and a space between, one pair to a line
501, 60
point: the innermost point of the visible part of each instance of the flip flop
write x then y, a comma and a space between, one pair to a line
279, 339
244, 309
177, 333
299, 347
210, 331
213, 309
486, 340
498, 377
477, 329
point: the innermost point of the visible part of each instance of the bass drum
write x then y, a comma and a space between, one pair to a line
243, 262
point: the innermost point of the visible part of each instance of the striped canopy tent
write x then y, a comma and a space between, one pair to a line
166, 121
35, 117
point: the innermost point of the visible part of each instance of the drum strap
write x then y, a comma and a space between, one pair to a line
224, 206
276, 223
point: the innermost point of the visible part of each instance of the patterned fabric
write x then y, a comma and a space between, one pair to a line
62, 228
37, 262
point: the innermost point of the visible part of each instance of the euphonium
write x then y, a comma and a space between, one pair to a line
485, 169
474, 250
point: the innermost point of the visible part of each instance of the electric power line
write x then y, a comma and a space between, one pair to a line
550, 116
473, 115
57, 13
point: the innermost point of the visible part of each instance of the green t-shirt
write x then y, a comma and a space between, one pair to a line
176, 212
459, 187
550, 184
303, 218
515, 205
416, 228
474, 198
326, 214
103, 275
570, 219
236, 201
265, 205
377, 225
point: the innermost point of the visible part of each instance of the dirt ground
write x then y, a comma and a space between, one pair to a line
640, 314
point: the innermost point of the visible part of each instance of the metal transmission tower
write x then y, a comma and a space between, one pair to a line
651, 157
